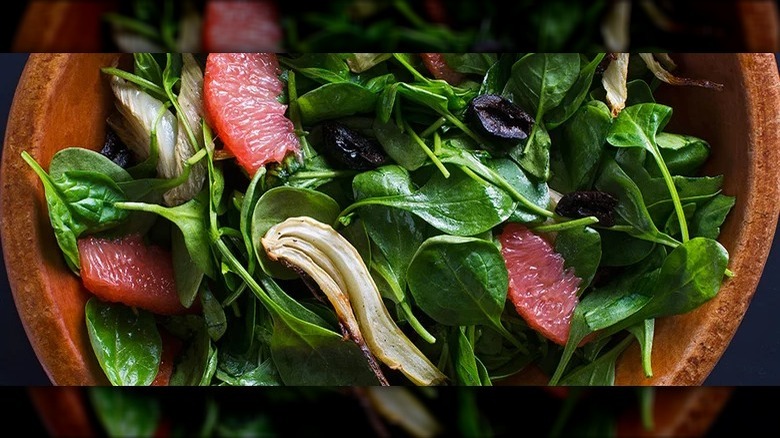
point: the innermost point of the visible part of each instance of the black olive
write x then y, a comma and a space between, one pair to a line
499, 120
588, 203
115, 150
351, 149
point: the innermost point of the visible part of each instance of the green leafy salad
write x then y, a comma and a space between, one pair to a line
386, 218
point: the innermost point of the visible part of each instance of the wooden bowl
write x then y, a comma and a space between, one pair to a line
62, 100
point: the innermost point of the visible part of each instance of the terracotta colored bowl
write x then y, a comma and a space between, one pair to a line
62, 100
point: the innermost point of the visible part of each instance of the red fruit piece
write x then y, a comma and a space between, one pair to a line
127, 271
171, 347
240, 92
241, 26
542, 291
437, 65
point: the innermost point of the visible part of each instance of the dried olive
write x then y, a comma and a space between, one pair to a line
498, 119
115, 150
588, 203
351, 149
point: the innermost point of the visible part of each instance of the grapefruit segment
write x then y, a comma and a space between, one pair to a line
241, 26
542, 291
240, 94
127, 271
438, 67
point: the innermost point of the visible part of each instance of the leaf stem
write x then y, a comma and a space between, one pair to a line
433, 127
678, 208
420, 142
566, 225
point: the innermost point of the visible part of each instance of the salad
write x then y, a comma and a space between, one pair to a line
429, 25
386, 218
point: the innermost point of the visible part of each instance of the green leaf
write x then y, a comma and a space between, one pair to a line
600, 372
75, 158
399, 145
581, 251
708, 218
459, 280
583, 141
331, 101
643, 332
576, 95
124, 413
126, 342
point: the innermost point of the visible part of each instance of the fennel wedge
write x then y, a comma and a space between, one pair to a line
335, 265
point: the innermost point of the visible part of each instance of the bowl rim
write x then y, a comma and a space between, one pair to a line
762, 94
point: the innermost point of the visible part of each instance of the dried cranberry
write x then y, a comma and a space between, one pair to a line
588, 203
499, 120
351, 149
115, 150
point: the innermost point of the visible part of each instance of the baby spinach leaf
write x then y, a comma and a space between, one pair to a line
583, 141
213, 313
125, 413
622, 249
331, 101
643, 332
708, 218
400, 146
126, 342
459, 281
250, 198
147, 67
280, 203
631, 207
683, 154
75, 158
538, 84
637, 126
78, 202
581, 250
600, 372
187, 275
575, 96
464, 361
532, 196
192, 366
497, 75
540, 81
470, 63
458, 205
690, 276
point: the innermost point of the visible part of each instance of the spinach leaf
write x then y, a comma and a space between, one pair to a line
192, 219
74, 158
125, 413
539, 84
187, 274
631, 207
213, 313
458, 205
126, 342
643, 332
690, 276
575, 96
583, 141
622, 249
281, 203
708, 218
146, 66
600, 372
399, 145
637, 126
248, 203
683, 154
470, 63
331, 101
192, 367
581, 251
459, 281
464, 361
78, 202
498, 75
